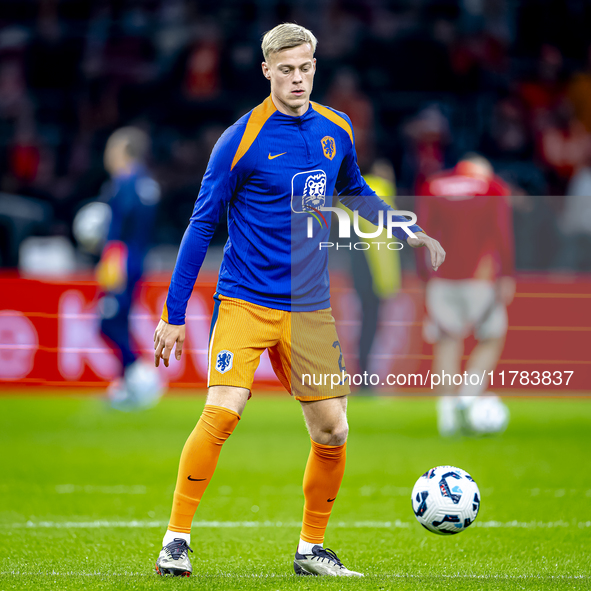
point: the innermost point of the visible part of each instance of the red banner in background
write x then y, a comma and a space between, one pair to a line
49, 333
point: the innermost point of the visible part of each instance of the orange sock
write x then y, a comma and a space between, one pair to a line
198, 461
322, 480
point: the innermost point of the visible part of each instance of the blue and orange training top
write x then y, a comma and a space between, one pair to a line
267, 171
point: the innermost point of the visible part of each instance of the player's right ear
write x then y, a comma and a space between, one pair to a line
266, 72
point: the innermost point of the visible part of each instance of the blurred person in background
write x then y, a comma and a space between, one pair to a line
428, 137
134, 200
545, 90
563, 146
508, 138
470, 295
375, 272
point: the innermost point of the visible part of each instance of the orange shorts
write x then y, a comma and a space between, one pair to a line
304, 348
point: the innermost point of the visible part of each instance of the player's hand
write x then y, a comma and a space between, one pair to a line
165, 338
505, 290
435, 249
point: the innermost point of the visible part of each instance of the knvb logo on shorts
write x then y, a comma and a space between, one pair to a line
224, 361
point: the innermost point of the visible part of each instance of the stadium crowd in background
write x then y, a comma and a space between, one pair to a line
424, 82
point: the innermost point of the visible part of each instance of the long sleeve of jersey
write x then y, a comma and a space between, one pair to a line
189, 260
217, 188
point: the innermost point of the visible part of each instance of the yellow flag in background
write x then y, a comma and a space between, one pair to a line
384, 264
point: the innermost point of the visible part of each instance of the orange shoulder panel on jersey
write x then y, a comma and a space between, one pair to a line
257, 119
336, 119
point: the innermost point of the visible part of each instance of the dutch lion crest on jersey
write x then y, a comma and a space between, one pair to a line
308, 190
328, 146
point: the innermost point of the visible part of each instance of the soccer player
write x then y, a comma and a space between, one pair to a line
134, 199
277, 162
470, 295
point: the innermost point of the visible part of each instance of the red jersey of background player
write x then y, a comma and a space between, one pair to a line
470, 214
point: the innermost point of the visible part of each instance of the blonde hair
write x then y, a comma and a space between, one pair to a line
286, 36
137, 142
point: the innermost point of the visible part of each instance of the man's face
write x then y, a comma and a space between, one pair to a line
116, 158
291, 73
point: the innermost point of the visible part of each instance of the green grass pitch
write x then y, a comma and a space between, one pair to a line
85, 494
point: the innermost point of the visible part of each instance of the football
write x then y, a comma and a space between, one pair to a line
445, 500
487, 415
141, 388
91, 226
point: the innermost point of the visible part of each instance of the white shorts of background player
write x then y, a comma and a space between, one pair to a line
460, 307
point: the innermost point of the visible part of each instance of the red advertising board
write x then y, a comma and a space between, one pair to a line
49, 333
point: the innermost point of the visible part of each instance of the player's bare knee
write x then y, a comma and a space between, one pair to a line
331, 434
339, 436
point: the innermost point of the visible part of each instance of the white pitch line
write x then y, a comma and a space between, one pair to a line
376, 576
120, 489
397, 524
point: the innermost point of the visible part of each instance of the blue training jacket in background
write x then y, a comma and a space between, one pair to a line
134, 201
